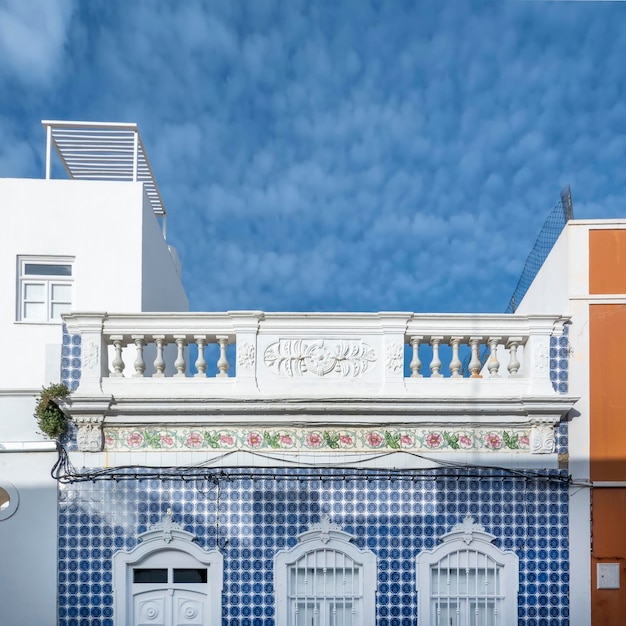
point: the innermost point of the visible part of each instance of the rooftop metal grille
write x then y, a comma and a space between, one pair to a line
102, 151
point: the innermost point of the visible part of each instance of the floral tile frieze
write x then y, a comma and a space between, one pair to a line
303, 439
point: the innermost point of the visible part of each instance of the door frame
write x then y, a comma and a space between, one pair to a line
166, 536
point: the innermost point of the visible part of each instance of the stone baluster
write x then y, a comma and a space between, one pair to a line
222, 363
179, 363
117, 363
139, 364
493, 365
455, 362
514, 364
415, 363
474, 364
435, 364
200, 362
159, 361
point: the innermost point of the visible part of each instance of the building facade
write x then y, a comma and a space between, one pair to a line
277, 469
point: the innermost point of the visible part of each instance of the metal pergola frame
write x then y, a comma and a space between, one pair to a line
103, 151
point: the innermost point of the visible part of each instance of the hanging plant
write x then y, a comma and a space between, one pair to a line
50, 419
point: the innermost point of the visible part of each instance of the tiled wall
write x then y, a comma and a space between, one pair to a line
559, 361
251, 514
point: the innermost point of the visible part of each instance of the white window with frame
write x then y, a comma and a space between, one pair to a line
467, 581
325, 580
45, 288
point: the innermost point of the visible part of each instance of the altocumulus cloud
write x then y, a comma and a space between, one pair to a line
347, 155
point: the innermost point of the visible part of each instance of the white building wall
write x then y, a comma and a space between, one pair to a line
161, 287
121, 264
549, 291
28, 541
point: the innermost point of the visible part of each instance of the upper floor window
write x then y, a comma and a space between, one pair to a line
467, 581
45, 288
325, 581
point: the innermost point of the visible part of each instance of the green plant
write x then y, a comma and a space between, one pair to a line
50, 419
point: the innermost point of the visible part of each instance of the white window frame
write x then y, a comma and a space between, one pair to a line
8, 506
325, 550
48, 282
166, 545
466, 556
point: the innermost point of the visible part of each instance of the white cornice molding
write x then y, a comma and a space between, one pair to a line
28, 446
521, 411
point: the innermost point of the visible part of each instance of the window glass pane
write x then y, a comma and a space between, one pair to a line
34, 292
190, 575
446, 611
147, 575
307, 614
483, 613
324, 580
47, 269
61, 293
58, 309
35, 311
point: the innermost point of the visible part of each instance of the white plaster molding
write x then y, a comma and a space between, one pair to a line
89, 437
246, 355
322, 530
542, 439
88, 415
468, 527
319, 357
90, 355
164, 528
394, 357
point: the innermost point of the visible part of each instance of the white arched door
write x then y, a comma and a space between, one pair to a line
168, 581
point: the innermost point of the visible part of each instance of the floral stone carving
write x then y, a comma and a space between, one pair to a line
319, 357
394, 357
245, 355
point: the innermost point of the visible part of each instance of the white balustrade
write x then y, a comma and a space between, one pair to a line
320, 350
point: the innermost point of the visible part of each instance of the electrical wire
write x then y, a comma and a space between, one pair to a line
65, 473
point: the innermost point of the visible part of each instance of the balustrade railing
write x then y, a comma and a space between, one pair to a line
179, 365
264, 350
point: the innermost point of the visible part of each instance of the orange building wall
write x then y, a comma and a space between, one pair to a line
607, 385
607, 446
608, 606
607, 261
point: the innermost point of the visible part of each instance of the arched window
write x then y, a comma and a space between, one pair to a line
325, 580
467, 581
167, 580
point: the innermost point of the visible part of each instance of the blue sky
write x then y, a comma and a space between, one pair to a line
341, 155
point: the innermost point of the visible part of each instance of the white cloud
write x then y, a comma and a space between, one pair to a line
33, 34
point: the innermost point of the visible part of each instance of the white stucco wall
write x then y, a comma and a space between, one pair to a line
28, 541
549, 291
161, 287
121, 262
